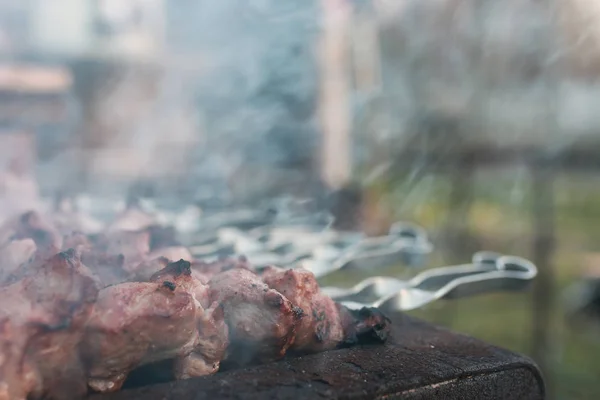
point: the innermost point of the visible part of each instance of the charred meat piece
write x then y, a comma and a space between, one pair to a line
211, 345
321, 326
14, 255
213, 333
180, 274
137, 323
365, 326
41, 327
262, 322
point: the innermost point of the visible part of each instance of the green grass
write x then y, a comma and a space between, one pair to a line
500, 217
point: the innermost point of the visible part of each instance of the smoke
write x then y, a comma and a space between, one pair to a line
224, 98
218, 89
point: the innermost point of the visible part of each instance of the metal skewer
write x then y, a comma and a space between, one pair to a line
489, 272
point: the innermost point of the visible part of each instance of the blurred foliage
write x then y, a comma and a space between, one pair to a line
499, 218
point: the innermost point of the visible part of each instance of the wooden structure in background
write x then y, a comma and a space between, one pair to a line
35, 116
335, 106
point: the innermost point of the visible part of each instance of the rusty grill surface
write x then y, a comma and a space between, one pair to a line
420, 361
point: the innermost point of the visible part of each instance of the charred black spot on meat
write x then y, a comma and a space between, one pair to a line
169, 285
371, 326
176, 268
298, 312
181, 267
67, 255
273, 298
319, 316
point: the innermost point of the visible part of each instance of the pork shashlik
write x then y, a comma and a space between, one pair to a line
81, 310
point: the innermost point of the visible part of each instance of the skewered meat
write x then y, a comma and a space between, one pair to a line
321, 326
262, 322
173, 323
59, 333
41, 327
367, 325
136, 323
180, 274
13, 255
213, 332
211, 345
156, 261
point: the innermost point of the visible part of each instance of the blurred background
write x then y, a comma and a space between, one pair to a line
478, 119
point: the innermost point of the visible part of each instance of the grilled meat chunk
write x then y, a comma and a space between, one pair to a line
364, 326
41, 327
180, 274
262, 322
136, 323
213, 333
321, 326
210, 347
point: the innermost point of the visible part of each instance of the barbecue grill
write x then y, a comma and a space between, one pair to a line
419, 361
